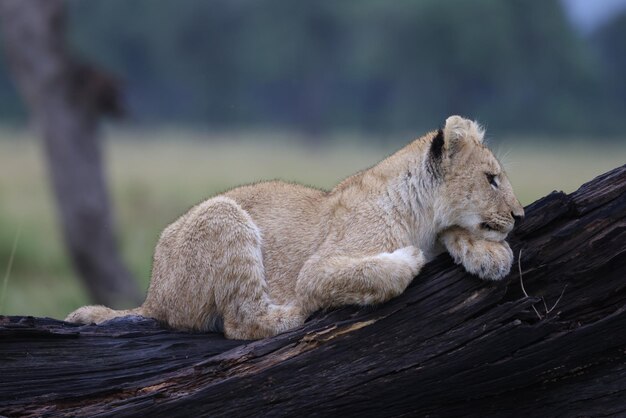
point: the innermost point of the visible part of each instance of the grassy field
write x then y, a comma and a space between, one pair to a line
154, 177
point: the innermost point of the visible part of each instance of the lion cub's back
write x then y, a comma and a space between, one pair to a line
281, 208
292, 220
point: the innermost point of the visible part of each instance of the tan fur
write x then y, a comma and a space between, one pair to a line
259, 259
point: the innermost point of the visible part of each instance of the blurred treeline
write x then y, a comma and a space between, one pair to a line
320, 65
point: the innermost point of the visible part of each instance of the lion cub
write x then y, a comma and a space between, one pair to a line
259, 259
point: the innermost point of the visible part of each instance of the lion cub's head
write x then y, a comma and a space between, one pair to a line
476, 193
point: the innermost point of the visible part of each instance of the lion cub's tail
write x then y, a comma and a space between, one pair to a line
98, 313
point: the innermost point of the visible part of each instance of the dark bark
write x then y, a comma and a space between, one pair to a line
451, 345
66, 99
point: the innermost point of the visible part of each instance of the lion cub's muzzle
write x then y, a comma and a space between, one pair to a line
517, 212
504, 224
497, 227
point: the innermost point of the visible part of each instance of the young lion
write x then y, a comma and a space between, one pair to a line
259, 259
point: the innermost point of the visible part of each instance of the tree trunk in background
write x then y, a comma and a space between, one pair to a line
450, 345
65, 100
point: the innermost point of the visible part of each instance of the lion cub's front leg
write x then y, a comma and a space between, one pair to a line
331, 281
487, 259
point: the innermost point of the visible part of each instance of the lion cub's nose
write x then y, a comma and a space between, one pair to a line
517, 216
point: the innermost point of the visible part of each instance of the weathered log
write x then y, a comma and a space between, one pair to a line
451, 345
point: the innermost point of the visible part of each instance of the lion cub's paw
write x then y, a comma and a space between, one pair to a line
412, 256
88, 314
489, 260
285, 317
399, 268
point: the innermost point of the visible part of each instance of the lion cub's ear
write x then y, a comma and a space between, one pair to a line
458, 129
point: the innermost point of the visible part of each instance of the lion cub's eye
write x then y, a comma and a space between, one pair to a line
492, 180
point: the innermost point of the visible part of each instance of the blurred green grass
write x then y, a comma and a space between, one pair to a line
154, 176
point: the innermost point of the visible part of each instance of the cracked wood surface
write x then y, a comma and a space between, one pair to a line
451, 345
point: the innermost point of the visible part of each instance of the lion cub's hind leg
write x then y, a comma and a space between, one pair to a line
227, 238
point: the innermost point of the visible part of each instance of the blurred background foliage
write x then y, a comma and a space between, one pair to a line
225, 92
370, 65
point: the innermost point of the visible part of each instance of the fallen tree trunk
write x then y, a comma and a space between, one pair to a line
451, 345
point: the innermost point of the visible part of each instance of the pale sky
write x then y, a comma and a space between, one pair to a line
589, 14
